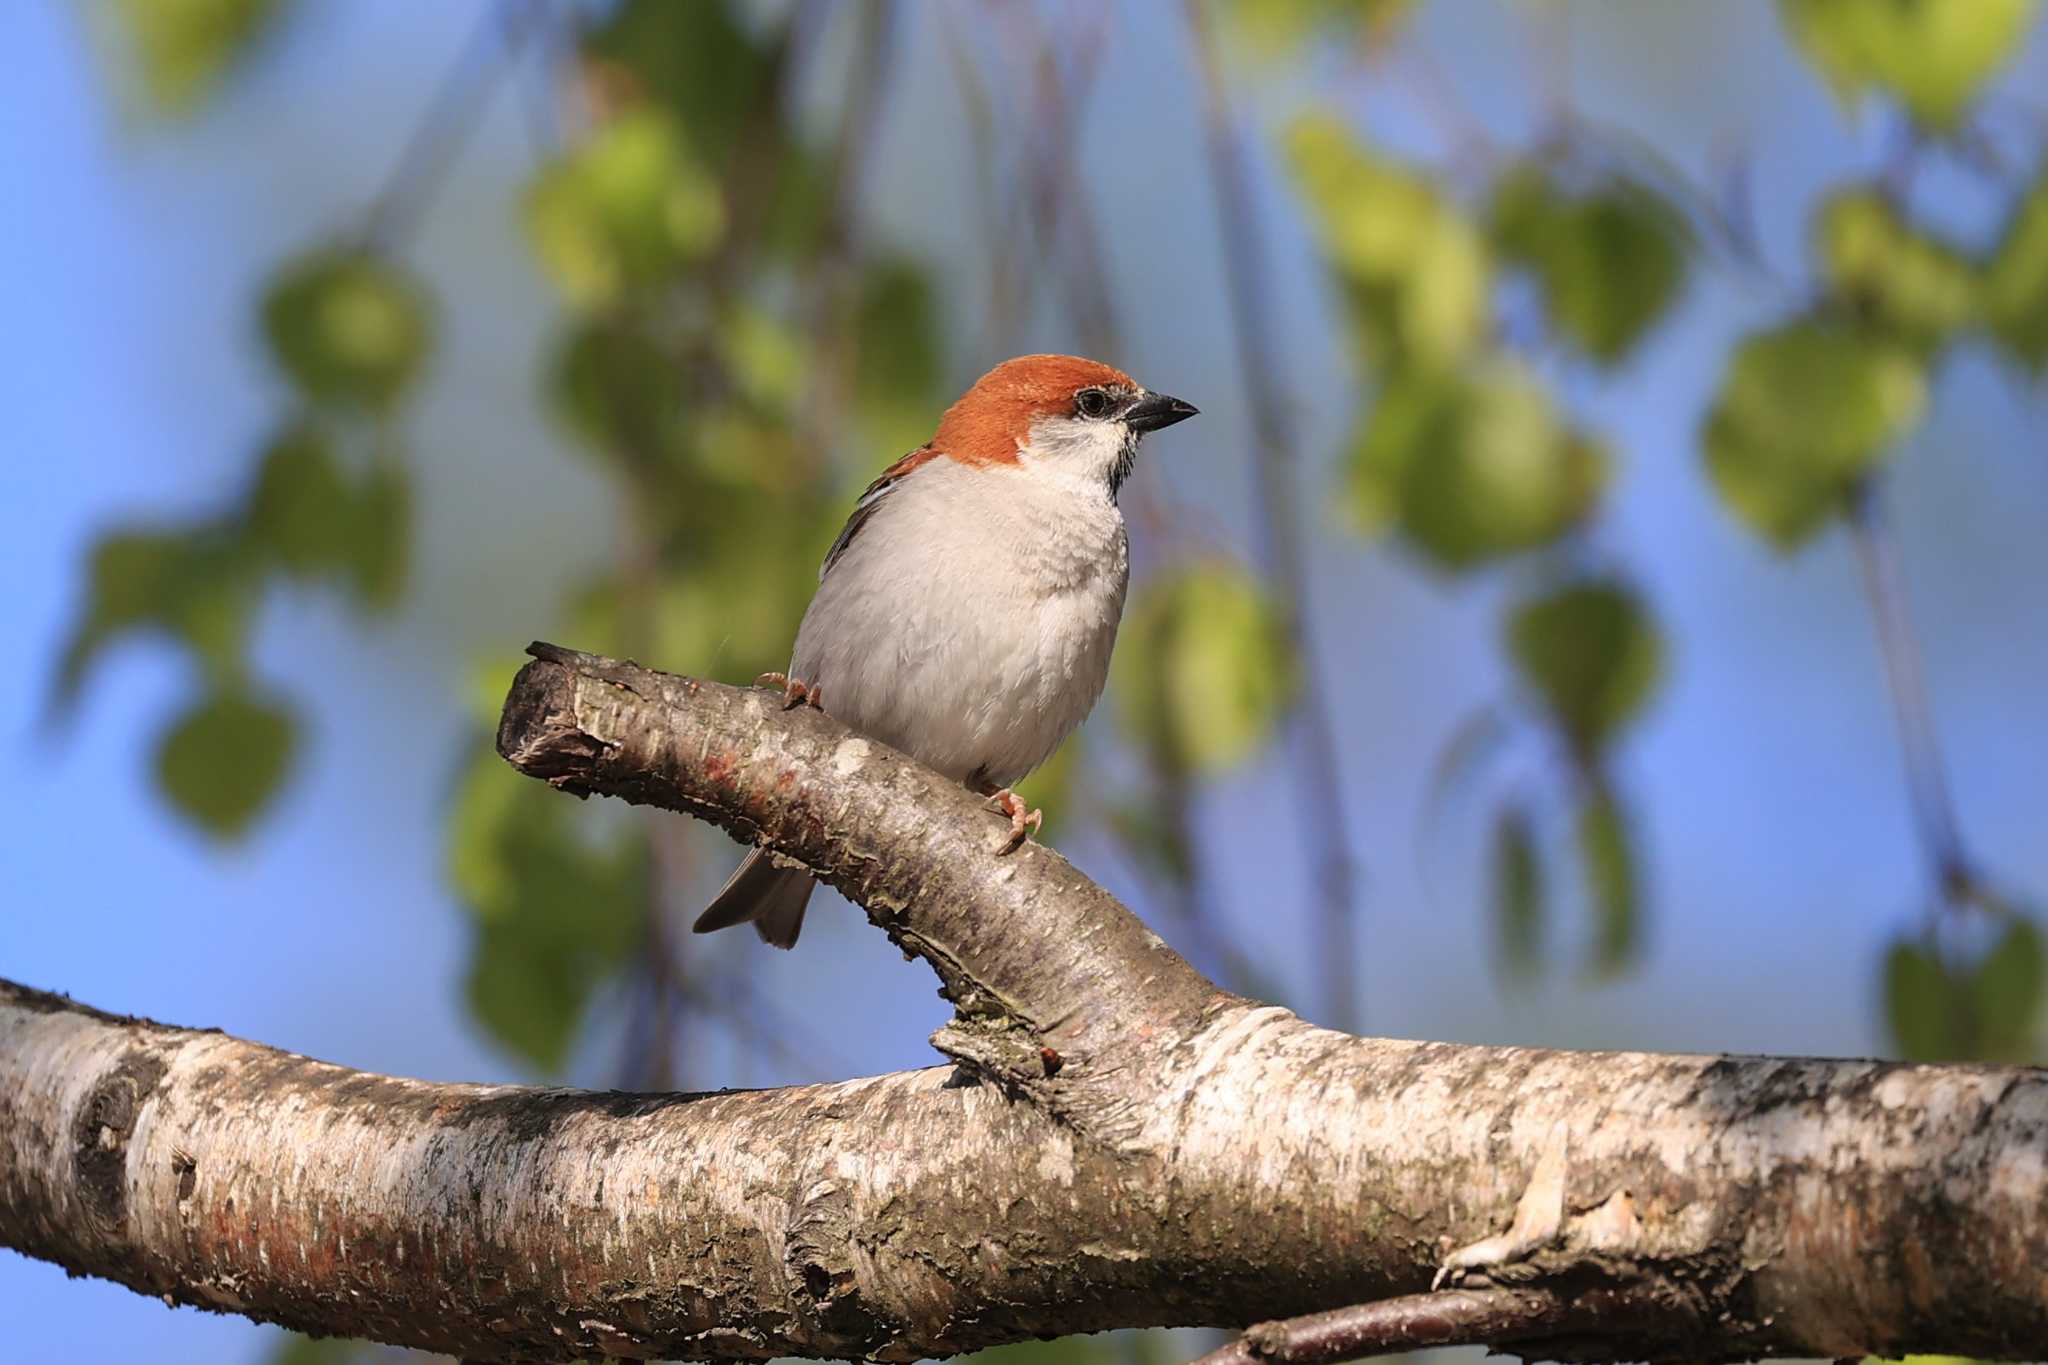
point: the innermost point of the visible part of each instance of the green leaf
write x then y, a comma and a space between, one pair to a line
1905, 283
1932, 55
1205, 672
558, 907
619, 390
896, 354
303, 1350
224, 760
1610, 262
1472, 466
1276, 28
705, 70
347, 327
299, 511
197, 584
624, 211
2006, 994
380, 544
1414, 267
1919, 1003
764, 358
1607, 853
1517, 890
183, 48
1803, 413
2016, 282
1592, 654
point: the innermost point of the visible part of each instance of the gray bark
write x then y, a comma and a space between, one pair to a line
1118, 1144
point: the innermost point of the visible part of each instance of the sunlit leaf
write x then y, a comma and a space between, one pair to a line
2016, 282
765, 358
1274, 28
1804, 412
1919, 1003
1412, 264
2006, 995
300, 510
1610, 262
625, 210
1204, 671
1518, 892
223, 760
347, 327
1608, 856
1932, 55
183, 48
695, 61
1472, 466
1592, 654
380, 542
1903, 281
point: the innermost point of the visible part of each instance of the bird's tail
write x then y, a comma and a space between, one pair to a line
771, 898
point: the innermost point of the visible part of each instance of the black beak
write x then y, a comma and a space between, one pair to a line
1156, 410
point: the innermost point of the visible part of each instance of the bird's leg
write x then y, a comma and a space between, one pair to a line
1022, 817
794, 693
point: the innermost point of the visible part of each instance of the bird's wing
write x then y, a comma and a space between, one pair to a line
885, 483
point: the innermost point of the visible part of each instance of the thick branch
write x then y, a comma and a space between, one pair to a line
1151, 1152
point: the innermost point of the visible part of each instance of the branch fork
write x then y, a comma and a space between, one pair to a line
1118, 1144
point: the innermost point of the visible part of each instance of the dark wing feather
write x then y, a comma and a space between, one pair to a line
864, 510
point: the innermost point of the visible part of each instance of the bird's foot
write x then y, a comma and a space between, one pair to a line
1023, 819
794, 693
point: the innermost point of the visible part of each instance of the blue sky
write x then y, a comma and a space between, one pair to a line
1766, 772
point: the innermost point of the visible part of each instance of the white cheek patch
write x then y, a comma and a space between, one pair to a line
1087, 453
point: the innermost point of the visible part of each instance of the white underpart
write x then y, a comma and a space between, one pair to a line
970, 621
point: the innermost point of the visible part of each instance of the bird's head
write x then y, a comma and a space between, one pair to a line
1073, 419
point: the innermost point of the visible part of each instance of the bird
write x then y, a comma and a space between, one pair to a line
966, 613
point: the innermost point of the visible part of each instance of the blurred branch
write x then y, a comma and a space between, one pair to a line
1319, 795
1934, 814
1121, 1144
451, 116
1512, 1320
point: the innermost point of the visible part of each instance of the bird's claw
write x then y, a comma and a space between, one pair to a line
1024, 820
794, 693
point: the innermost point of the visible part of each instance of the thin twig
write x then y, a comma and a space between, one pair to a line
1926, 775
1453, 1317
1318, 791
451, 116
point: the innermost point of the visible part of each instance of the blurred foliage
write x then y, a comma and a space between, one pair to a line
1931, 55
2016, 282
1591, 654
1610, 261
1805, 412
347, 327
1472, 465
1274, 28
1897, 281
1944, 1006
736, 362
183, 48
1203, 670
1413, 268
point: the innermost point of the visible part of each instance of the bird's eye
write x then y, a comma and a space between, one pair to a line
1092, 403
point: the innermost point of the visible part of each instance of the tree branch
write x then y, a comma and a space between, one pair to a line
1123, 1145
